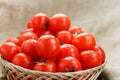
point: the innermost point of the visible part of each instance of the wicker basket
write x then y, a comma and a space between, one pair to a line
14, 72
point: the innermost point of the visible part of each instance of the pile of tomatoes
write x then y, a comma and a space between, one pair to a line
51, 44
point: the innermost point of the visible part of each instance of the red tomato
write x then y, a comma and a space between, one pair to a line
64, 37
47, 47
23, 60
14, 40
28, 47
68, 50
59, 22
47, 66
75, 30
28, 30
84, 41
39, 22
101, 52
69, 64
8, 50
26, 36
90, 59
30, 24
45, 33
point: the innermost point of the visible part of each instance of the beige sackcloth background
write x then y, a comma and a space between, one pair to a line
98, 17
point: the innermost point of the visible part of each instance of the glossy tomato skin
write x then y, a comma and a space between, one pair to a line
23, 60
59, 22
47, 47
39, 22
69, 64
29, 48
14, 40
67, 50
101, 52
75, 30
84, 41
28, 30
90, 59
65, 37
47, 66
26, 36
8, 50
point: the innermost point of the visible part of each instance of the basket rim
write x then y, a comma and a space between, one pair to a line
39, 72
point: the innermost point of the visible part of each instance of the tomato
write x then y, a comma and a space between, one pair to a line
75, 30
30, 24
59, 22
14, 40
45, 33
90, 59
47, 47
39, 22
28, 47
101, 52
8, 50
69, 64
68, 50
28, 30
64, 37
26, 36
23, 60
45, 66
84, 41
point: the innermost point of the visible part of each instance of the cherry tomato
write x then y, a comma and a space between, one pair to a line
39, 22
45, 66
101, 52
23, 60
26, 36
75, 30
59, 22
8, 50
28, 47
28, 30
30, 24
47, 47
69, 64
14, 40
64, 37
84, 41
90, 59
68, 50
45, 33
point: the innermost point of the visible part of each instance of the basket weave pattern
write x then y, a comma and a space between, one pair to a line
14, 72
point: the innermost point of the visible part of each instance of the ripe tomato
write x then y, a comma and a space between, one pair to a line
8, 50
47, 66
28, 47
23, 60
45, 33
64, 37
69, 64
30, 24
84, 41
39, 22
26, 36
75, 30
28, 30
59, 22
90, 59
47, 47
68, 50
101, 52
14, 40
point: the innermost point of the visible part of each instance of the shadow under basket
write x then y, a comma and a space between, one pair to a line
14, 72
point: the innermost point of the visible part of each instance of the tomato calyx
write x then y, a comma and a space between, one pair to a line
72, 70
